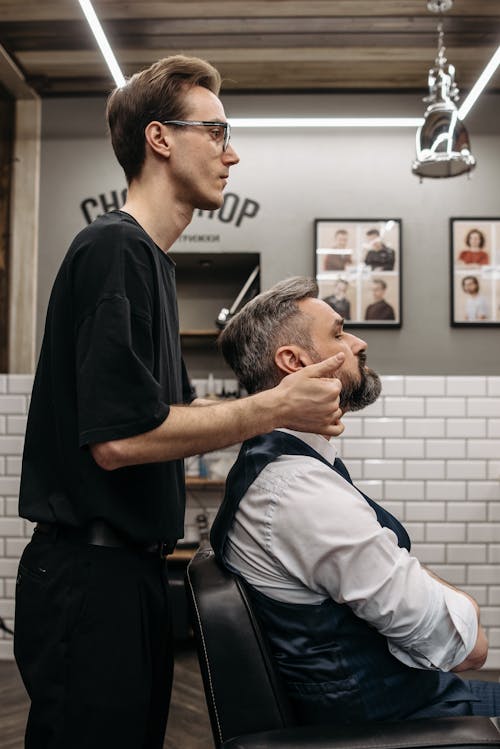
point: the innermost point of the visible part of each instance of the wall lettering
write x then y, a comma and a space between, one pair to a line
233, 210
94, 207
199, 238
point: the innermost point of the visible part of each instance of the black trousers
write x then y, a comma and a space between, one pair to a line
93, 645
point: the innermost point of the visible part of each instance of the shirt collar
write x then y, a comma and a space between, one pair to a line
324, 447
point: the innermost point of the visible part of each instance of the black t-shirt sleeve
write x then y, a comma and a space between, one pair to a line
188, 391
118, 394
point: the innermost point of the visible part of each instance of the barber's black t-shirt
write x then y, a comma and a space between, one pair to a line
109, 368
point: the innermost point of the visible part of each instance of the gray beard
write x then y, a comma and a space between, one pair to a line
359, 393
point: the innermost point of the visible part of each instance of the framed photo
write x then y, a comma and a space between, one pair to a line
475, 272
358, 269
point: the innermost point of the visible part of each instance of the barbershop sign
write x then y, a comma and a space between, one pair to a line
235, 210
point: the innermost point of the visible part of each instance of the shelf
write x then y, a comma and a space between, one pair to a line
182, 555
200, 340
207, 282
199, 333
195, 482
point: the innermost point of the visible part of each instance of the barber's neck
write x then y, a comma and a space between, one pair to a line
147, 202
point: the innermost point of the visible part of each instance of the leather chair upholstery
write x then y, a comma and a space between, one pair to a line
246, 700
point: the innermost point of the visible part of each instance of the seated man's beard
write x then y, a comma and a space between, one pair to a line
357, 393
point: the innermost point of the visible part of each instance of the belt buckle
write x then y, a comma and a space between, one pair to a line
164, 549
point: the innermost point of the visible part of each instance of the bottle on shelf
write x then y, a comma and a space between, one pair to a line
202, 467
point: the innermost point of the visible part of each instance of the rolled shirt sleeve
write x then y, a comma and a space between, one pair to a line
451, 637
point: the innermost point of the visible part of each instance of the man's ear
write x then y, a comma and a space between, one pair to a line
291, 358
158, 138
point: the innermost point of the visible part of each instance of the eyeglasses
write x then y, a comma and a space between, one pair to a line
221, 131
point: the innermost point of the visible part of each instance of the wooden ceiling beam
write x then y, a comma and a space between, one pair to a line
53, 47
53, 10
277, 81
159, 45
13, 79
52, 61
242, 26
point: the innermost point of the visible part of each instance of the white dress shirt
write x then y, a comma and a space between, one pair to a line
476, 308
303, 534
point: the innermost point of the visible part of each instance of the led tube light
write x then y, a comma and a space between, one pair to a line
479, 86
326, 121
102, 41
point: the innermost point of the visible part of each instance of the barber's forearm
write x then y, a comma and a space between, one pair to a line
205, 402
307, 400
189, 431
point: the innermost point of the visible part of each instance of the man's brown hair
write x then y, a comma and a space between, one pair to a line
155, 93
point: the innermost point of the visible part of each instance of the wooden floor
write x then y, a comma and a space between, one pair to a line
188, 726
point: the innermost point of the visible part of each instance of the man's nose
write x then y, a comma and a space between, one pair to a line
359, 345
230, 156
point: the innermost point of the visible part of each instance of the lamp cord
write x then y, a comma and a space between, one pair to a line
5, 627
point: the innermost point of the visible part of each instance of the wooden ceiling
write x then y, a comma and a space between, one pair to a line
258, 45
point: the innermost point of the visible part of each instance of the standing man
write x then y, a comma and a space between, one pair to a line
109, 425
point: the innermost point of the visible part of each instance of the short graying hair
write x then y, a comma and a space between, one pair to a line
270, 320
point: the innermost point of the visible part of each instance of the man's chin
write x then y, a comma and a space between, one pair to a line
210, 204
362, 394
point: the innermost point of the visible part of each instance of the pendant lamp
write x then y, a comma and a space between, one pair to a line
443, 146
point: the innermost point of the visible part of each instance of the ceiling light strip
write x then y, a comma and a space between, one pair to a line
103, 43
479, 85
326, 122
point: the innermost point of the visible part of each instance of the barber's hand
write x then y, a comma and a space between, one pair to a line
311, 398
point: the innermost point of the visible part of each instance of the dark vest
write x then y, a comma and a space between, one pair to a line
336, 666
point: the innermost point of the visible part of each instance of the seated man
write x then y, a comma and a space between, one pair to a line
359, 629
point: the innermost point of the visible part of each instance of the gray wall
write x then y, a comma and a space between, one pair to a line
297, 176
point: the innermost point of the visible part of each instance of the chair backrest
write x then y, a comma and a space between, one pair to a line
242, 687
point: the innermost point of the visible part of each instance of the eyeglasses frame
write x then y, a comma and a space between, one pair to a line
205, 123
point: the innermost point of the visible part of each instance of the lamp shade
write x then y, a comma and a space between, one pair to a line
443, 147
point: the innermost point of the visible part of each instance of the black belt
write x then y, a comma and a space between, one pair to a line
100, 533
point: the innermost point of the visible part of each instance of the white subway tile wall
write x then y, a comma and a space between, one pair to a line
428, 450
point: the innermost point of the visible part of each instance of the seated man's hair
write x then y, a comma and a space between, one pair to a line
270, 320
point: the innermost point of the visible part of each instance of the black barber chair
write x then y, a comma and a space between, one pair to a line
247, 704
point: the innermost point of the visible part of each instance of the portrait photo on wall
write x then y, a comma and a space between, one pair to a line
358, 269
475, 271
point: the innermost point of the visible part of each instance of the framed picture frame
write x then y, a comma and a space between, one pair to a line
475, 272
358, 266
